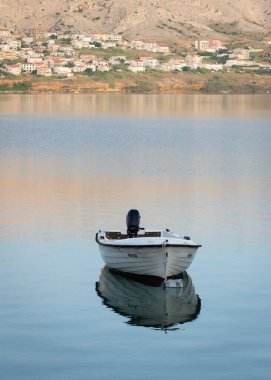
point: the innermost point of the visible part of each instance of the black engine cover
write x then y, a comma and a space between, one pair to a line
133, 221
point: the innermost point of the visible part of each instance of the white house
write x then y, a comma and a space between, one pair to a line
240, 54
236, 62
4, 32
208, 45
13, 43
212, 66
34, 59
27, 40
265, 65
137, 44
149, 61
28, 66
115, 37
81, 68
136, 66
193, 61
108, 44
162, 49
101, 65
63, 71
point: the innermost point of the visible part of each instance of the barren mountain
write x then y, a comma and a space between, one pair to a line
164, 20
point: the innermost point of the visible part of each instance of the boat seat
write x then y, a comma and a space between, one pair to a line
115, 235
152, 234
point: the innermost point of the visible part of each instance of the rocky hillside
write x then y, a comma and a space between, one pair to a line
163, 20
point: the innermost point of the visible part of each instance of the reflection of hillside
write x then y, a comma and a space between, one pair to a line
72, 174
60, 196
149, 306
137, 105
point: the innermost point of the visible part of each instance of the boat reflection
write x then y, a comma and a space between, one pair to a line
149, 306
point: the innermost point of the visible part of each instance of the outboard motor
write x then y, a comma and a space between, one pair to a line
132, 221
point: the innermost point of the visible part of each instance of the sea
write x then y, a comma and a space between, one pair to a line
71, 164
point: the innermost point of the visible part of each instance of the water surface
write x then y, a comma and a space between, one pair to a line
71, 164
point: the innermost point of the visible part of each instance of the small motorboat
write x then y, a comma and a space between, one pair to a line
151, 254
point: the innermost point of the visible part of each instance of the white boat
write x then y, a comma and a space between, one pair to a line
149, 306
151, 254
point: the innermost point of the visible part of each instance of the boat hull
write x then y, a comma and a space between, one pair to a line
155, 263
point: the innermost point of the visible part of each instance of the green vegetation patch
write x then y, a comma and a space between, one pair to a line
108, 53
15, 87
219, 84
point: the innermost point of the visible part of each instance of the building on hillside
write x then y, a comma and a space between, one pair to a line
164, 66
63, 71
137, 44
177, 64
108, 44
240, 54
208, 45
265, 65
11, 43
149, 61
193, 61
201, 44
4, 32
136, 66
150, 46
238, 62
33, 59
164, 49
99, 36
80, 68
39, 49
79, 44
117, 59
14, 69
101, 65
56, 61
27, 41
88, 39
10, 55
212, 66
4, 47
39, 33
216, 44
87, 57
115, 37
43, 69
28, 67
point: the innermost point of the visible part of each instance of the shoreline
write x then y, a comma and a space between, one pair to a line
147, 83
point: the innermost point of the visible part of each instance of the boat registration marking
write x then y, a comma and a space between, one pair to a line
134, 255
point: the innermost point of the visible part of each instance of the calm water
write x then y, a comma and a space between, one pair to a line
71, 164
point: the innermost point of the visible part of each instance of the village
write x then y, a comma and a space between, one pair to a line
42, 53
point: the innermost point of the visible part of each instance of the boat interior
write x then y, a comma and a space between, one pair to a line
115, 235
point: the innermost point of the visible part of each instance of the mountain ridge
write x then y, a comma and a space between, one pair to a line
164, 20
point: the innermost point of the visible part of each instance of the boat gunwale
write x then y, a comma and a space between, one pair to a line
164, 244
